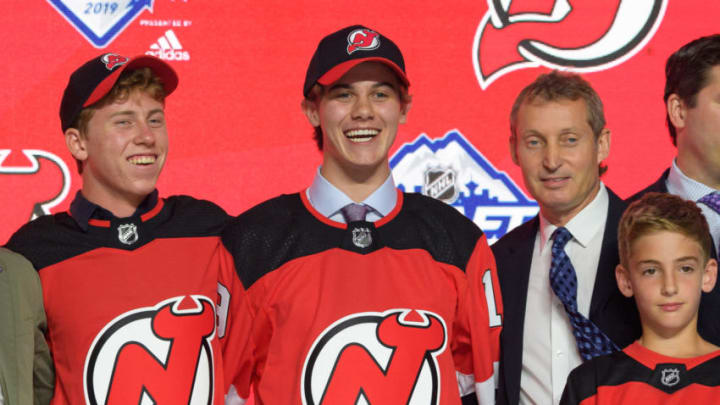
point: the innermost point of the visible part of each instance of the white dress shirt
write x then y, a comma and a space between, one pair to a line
683, 186
329, 200
549, 347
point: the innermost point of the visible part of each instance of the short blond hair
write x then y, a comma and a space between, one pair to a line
656, 212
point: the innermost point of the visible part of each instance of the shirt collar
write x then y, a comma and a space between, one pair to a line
583, 226
328, 199
680, 184
82, 210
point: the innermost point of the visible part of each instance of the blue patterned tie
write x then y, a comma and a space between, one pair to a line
354, 212
591, 341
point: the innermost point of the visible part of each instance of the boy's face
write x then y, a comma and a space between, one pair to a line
667, 275
123, 150
359, 115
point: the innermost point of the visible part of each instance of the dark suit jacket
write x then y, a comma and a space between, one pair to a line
709, 313
613, 313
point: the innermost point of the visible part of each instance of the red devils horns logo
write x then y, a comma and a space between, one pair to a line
375, 358
362, 39
113, 60
585, 36
158, 355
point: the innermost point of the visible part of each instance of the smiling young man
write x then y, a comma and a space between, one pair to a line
129, 279
562, 305
355, 289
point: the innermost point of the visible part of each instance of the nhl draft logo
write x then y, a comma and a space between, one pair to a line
670, 377
586, 36
100, 22
361, 237
128, 234
159, 354
452, 170
44, 168
376, 358
362, 39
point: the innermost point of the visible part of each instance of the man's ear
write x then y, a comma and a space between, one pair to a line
623, 281
513, 148
311, 112
76, 144
677, 110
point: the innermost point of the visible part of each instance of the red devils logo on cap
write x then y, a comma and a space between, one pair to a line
112, 60
584, 36
362, 39
161, 353
382, 358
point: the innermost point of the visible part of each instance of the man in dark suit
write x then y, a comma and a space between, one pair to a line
558, 138
692, 89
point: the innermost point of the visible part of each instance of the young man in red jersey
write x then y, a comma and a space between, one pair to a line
357, 291
130, 280
665, 264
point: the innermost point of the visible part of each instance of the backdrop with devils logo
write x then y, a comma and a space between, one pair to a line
237, 132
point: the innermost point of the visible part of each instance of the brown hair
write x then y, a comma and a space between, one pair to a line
555, 86
656, 212
687, 71
142, 79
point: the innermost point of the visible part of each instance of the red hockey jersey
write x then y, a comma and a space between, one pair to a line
637, 375
405, 310
131, 303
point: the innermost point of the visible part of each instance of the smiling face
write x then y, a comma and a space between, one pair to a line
359, 116
558, 153
122, 151
666, 272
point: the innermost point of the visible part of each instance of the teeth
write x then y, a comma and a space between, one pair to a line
367, 132
361, 139
142, 160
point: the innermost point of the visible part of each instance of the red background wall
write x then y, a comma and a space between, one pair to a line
237, 133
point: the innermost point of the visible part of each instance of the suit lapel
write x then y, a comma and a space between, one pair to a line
605, 283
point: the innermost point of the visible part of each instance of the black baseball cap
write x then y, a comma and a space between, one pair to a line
93, 80
342, 50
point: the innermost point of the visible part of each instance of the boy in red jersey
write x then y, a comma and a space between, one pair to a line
665, 264
130, 280
357, 292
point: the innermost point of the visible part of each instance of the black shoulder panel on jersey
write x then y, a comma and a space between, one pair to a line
618, 368
279, 230
429, 224
184, 216
273, 233
54, 238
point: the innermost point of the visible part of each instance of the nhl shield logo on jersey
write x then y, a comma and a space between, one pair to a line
128, 234
159, 355
362, 237
670, 377
586, 36
376, 358
452, 170
362, 39
101, 22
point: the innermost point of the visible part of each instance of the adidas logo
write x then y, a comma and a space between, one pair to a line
168, 47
